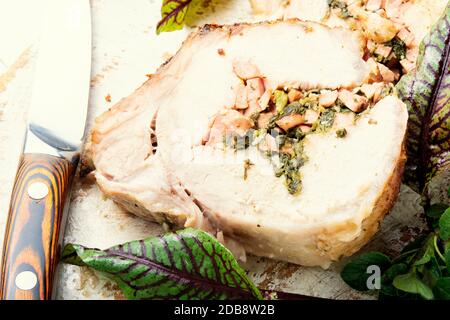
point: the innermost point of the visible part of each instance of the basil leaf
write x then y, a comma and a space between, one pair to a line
441, 289
388, 291
173, 15
189, 264
447, 259
426, 93
436, 210
411, 284
427, 253
444, 225
356, 272
432, 272
394, 271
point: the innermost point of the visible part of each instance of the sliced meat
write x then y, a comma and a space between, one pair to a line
291, 121
377, 28
255, 89
305, 129
348, 184
328, 98
294, 95
369, 90
383, 51
263, 119
265, 99
241, 96
245, 69
311, 116
406, 36
393, 8
228, 122
353, 101
386, 74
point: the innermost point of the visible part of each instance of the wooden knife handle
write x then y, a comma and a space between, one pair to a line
31, 246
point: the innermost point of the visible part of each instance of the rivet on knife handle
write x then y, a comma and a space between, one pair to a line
30, 249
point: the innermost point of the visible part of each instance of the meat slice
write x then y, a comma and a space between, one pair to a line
228, 122
290, 121
241, 96
351, 100
348, 184
328, 98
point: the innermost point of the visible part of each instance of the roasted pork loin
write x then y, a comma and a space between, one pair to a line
162, 152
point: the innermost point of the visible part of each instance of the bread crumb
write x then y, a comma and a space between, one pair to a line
108, 98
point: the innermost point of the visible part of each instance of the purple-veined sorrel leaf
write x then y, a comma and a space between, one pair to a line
173, 14
188, 264
426, 92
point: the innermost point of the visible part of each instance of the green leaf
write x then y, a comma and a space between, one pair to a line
447, 259
355, 273
394, 271
411, 284
427, 252
388, 291
432, 272
189, 264
436, 210
444, 225
173, 14
426, 93
441, 289
414, 245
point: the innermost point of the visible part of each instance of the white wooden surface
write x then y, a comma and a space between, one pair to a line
125, 49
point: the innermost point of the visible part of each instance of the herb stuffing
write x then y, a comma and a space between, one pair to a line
342, 8
341, 133
279, 130
398, 47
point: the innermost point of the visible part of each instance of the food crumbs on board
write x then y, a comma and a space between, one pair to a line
247, 165
108, 98
221, 52
341, 133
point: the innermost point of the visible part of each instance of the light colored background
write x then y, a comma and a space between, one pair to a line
125, 49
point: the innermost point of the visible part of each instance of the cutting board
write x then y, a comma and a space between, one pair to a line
126, 49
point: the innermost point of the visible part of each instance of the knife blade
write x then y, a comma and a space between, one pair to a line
55, 132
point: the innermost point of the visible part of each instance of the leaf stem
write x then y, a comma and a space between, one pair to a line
436, 247
403, 255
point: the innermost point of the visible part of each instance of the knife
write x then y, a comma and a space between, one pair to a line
51, 151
